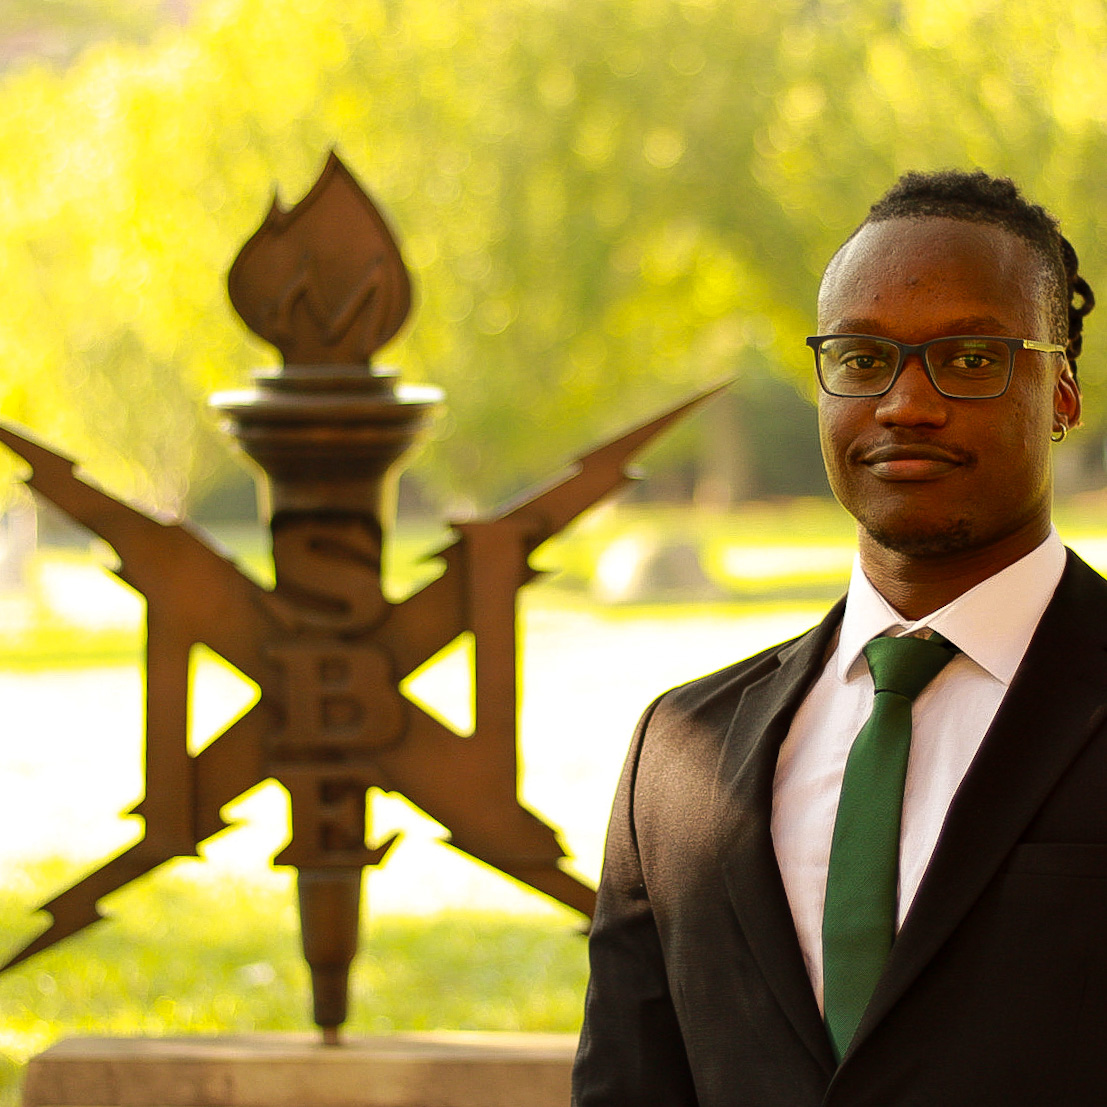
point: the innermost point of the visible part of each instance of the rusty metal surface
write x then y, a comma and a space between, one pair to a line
326, 648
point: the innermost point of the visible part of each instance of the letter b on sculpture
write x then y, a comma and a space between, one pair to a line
338, 697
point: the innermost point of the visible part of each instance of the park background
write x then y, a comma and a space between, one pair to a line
606, 206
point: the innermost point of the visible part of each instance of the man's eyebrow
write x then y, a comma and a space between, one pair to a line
969, 324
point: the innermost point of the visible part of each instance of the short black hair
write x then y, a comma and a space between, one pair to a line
977, 197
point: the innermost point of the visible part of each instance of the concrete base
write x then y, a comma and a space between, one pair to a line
448, 1069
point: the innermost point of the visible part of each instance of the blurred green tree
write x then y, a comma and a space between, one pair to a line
605, 206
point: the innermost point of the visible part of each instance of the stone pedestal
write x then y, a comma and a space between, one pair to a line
447, 1069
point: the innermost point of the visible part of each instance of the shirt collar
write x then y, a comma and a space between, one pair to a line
991, 623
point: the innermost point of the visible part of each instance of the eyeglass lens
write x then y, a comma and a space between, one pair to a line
960, 367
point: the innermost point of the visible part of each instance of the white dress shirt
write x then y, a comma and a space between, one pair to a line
992, 625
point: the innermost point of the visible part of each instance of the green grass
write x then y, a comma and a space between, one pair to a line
184, 955
50, 644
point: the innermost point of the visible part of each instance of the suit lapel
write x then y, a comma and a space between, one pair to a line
747, 764
1055, 703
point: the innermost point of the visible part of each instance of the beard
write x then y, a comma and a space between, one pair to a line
912, 538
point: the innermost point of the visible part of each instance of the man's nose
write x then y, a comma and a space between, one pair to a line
913, 400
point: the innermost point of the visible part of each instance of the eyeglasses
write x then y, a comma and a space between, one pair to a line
962, 367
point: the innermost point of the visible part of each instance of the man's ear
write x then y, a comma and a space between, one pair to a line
1066, 399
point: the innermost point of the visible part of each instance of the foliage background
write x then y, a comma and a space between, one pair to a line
605, 206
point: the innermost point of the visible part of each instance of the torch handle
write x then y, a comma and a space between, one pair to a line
330, 902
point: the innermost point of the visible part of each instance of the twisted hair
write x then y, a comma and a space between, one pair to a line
979, 198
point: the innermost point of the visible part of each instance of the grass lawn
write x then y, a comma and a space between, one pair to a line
236, 967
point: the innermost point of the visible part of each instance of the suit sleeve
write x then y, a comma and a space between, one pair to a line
631, 1051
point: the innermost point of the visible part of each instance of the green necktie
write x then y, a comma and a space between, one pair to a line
859, 920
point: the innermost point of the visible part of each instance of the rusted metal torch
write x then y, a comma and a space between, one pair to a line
325, 284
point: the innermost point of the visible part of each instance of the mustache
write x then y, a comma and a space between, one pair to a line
899, 447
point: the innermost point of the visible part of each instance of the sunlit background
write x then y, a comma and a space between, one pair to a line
606, 206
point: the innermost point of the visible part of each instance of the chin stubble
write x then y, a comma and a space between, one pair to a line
923, 541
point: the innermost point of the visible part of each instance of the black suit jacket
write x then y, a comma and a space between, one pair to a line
996, 988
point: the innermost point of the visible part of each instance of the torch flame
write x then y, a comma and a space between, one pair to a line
323, 281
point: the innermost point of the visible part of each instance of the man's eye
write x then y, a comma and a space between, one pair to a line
971, 362
863, 362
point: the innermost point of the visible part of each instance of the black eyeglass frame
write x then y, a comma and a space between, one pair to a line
905, 351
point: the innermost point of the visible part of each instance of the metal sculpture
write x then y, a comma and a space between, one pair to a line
324, 282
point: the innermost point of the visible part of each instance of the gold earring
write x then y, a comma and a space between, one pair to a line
1059, 435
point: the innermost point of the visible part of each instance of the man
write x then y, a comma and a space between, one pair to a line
753, 945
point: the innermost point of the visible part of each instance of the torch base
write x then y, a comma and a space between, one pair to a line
448, 1069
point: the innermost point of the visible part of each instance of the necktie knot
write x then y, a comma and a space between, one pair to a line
907, 665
